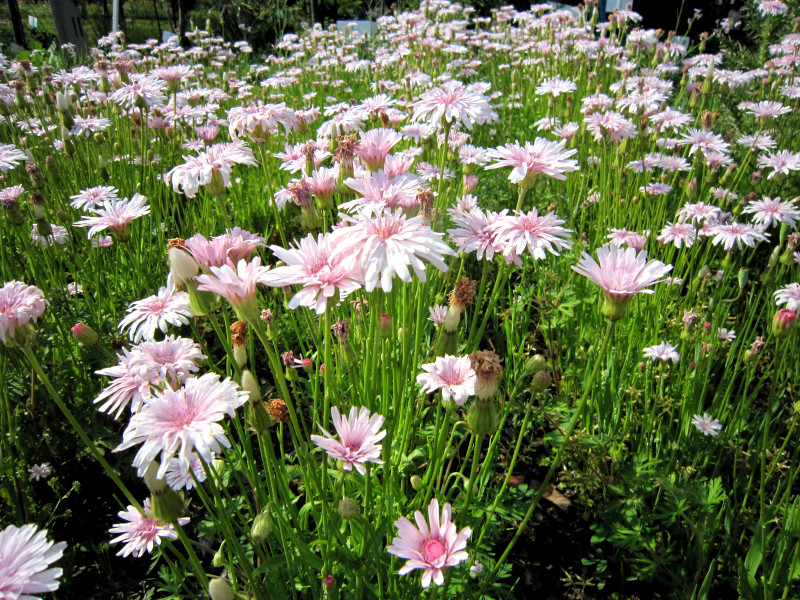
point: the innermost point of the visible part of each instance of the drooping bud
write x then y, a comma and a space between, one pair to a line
262, 525
784, 323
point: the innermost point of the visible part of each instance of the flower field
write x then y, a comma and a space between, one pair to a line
476, 307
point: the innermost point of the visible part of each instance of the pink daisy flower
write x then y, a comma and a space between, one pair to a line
515, 233
663, 352
772, 8
182, 421
19, 305
142, 532
212, 167
375, 144
475, 232
707, 425
388, 244
782, 161
260, 121
115, 215
237, 286
679, 234
451, 374
768, 211
431, 545
454, 103
704, 142
144, 93
737, 233
790, 296
313, 264
10, 157
768, 109
168, 307
621, 274
25, 555
180, 476
438, 314
529, 160
358, 435
92, 197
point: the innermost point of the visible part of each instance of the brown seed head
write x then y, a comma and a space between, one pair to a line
238, 334
176, 243
463, 294
277, 410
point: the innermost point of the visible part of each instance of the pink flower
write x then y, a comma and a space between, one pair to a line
388, 244
212, 167
454, 103
92, 197
451, 374
438, 314
313, 264
513, 234
476, 232
19, 305
142, 532
115, 215
358, 435
25, 555
769, 211
260, 121
782, 161
680, 234
183, 421
529, 160
737, 233
144, 93
237, 286
375, 144
621, 274
663, 352
707, 425
10, 157
168, 307
790, 296
431, 545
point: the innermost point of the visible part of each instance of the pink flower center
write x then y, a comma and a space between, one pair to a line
433, 551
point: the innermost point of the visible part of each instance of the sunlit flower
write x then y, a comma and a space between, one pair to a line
520, 231
25, 555
663, 352
451, 374
358, 434
182, 421
142, 532
769, 211
10, 157
453, 103
115, 215
93, 197
237, 286
375, 144
431, 545
438, 314
737, 233
168, 307
19, 305
528, 161
212, 167
621, 274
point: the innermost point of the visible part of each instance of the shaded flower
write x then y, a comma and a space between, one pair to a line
706, 424
19, 305
142, 532
42, 471
25, 555
237, 286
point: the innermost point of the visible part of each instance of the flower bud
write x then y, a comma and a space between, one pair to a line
168, 505
84, 335
219, 557
220, 589
384, 326
250, 385
534, 364
259, 417
541, 381
182, 266
416, 482
262, 526
482, 418
239, 343
784, 323
348, 508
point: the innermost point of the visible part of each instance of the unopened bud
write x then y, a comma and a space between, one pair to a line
84, 335
482, 418
262, 526
182, 266
416, 482
541, 381
534, 364
784, 323
220, 589
348, 508
219, 557
384, 326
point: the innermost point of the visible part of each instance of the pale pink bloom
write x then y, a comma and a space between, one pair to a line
168, 307
782, 161
322, 182
388, 244
39, 472
126, 388
704, 142
475, 233
699, 212
431, 545
451, 374
228, 248
294, 160
260, 121
25, 555
144, 93
10, 157
768, 212
726, 335
377, 192
86, 126
759, 141
772, 8
375, 144
663, 352
438, 314
680, 234
215, 165
237, 286
453, 103
9, 196
671, 119
673, 163
555, 86
396, 165
313, 264
377, 104
769, 109
358, 437
707, 425
180, 476
92, 197
656, 189
472, 155
417, 132
610, 126
621, 274
528, 161
142, 532
737, 233
183, 421
57, 235
790, 296
115, 215
172, 74
19, 305
520, 231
